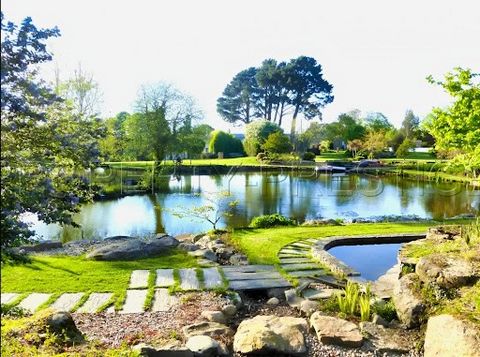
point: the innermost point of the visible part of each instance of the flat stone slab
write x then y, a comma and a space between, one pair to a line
248, 268
234, 275
330, 280
314, 294
293, 251
94, 302
295, 260
139, 279
163, 301
258, 284
164, 278
33, 301
188, 279
212, 278
66, 302
134, 301
300, 266
306, 273
7, 298
301, 245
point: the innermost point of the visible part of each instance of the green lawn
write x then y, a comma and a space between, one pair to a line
77, 274
262, 245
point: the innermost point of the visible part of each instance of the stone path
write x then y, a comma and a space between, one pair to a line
66, 302
139, 279
163, 301
33, 301
134, 302
254, 277
296, 260
164, 278
7, 298
212, 278
94, 302
189, 280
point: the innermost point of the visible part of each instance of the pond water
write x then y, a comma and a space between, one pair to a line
370, 260
299, 195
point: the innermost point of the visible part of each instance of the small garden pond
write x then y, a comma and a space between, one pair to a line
370, 260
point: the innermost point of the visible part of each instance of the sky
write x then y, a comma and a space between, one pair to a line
376, 54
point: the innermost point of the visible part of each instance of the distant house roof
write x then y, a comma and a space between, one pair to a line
239, 136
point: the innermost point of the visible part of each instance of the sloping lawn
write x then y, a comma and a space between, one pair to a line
262, 245
77, 274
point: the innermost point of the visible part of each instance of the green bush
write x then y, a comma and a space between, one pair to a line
256, 133
271, 220
277, 143
224, 142
386, 310
310, 156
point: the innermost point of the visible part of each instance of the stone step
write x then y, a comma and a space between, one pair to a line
164, 278
212, 278
299, 246
248, 268
67, 301
188, 279
94, 302
300, 266
287, 256
33, 301
293, 252
329, 280
252, 276
163, 301
311, 240
306, 273
139, 279
314, 294
7, 298
295, 260
134, 301
258, 284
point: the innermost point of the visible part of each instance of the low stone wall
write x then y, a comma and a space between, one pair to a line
321, 247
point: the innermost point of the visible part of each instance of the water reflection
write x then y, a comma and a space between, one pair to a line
299, 195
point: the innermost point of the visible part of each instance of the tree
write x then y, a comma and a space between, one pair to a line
113, 145
355, 146
277, 143
378, 122
410, 125
238, 100
44, 142
404, 148
256, 133
224, 142
374, 143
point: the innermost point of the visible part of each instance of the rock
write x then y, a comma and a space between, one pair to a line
308, 307
204, 253
203, 346
410, 307
238, 259
214, 316
335, 331
188, 247
40, 246
236, 299
225, 253
62, 324
203, 242
445, 271
271, 335
449, 336
386, 340
273, 301
207, 328
166, 351
229, 310
292, 298
133, 249
320, 294
443, 233
378, 320
116, 238
278, 293
185, 238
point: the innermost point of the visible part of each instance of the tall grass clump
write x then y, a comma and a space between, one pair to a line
354, 302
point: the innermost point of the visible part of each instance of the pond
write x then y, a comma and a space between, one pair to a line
299, 195
370, 260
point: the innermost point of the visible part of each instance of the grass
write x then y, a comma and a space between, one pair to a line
151, 290
262, 245
77, 274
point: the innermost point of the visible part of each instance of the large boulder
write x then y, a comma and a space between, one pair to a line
203, 346
445, 271
335, 331
410, 307
448, 336
271, 335
62, 325
387, 340
443, 233
207, 328
133, 249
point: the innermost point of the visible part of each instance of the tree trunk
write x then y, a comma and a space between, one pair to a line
294, 122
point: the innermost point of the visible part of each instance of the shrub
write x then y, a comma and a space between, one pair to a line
261, 156
224, 142
256, 133
271, 220
310, 156
277, 143
386, 310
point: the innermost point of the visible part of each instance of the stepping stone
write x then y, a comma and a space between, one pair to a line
234, 275
248, 268
94, 302
293, 252
300, 266
164, 278
306, 273
134, 301
66, 302
311, 240
301, 246
139, 279
7, 298
212, 278
295, 260
314, 294
163, 301
33, 301
189, 281
329, 280
258, 284
296, 256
